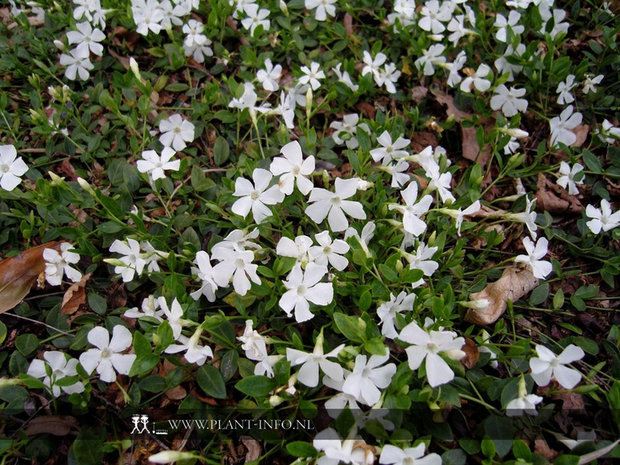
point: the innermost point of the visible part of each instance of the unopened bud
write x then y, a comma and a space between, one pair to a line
56, 180
135, 69
60, 45
515, 132
171, 456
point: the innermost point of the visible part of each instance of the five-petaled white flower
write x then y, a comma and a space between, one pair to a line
149, 308
345, 132
409, 456
58, 264
476, 79
329, 251
334, 205
255, 17
174, 315
562, 126
311, 362
269, 76
254, 345
59, 368
412, 211
204, 273
590, 83
175, 132
540, 268
369, 377
387, 312
567, 178
389, 150
107, 357
602, 218
312, 75
87, 39
12, 168
77, 65
421, 260
428, 345
523, 403
433, 15
194, 352
155, 165
503, 24
236, 265
298, 249
132, 261
323, 8
303, 287
548, 364
293, 169
564, 89
148, 16
509, 101
256, 196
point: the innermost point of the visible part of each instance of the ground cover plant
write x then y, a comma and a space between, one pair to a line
309, 232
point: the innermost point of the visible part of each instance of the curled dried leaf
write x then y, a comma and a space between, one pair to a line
75, 296
514, 283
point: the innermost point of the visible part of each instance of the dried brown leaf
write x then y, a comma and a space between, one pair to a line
451, 110
18, 274
541, 448
472, 354
514, 283
554, 199
348, 24
176, 393
471, 149
58, 425
75, 296
419, 93
581, 132
253, 448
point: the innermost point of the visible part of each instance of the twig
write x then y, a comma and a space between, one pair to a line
40, 323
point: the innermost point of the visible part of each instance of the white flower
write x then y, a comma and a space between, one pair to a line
368, 377
269, 76
194, 31
155, 165
303, 287
312, 75
286, 108
264, 367
239, 240
398, 170
548, 364
310, 363
434, 15
561, 127
107, 357
412, 211
540, 268
558, 26
59, 367
297, 249
509, 101
476, 79
152, 256
389, 77
58, 264
428, 345
171, 456
254, 345
150, 308
602, 219
173, 14
410, 456
459, 214
503, 24
148, 16
255, 17
431, 57
293, 169
323, 8
527, 217
440, 183
457, 27
373, 65
87, 39
567, 178
420, 261
194, 353
337, 451
256, 196
176, 132
204, 273
132, 258
387, 312
608, 132
345, 78
77, 64
459, 61
198, 52
174, 316
504, 66
524, 402
334, 205
564, 89
345, 131
329, 251
236, 265
389, 150
590, 83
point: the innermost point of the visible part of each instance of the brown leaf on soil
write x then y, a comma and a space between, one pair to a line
472, 354
541, 448
452, 110
581, 132
419, 93
514, 283
367, 110
422, 139
176, 393
348, 24
121, 34
471, 149
75, 296
253, 448
18, 274
554, 199
58, 425
571, 401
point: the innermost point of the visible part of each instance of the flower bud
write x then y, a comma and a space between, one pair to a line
56, 180
515, 132
171, 456
274, 401
86, 186
133, 66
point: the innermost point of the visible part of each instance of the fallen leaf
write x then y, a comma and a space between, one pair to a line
419, 93
472, 354
176, 393
471, 149
422, 139
18, 274
514, 283
541, 448
595, 455
348, 24
451, 110
367, 109
571, 401
58, 425
253, 448
581, 132
554, 199
75, 296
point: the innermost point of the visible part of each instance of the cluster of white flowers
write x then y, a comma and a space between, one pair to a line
135, 257
255, 347
384, 74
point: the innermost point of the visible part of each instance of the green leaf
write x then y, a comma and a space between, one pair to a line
592, 161
221, 151
255, 386
539, 294
200, 182
558, 299
521, 450
141, 344
3, 332
352, 327
375, 346
301, 449
97, 303
26, 344
211, 382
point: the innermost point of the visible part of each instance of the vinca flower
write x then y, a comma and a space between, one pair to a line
107, 357
235, 265
603, 218
293, 169
409, 456
194, 352
433, 15
175, 132
297, 249
540, 268
303, 287
345, 132
564, 89
567, 178
59, 264
204, 273
323, 8
412, 211
387, 312
147, 15
149, 307
562, 126
329, 251
174, 316
334, 205
312, 75
12, 168
255, 17
59, 367
310, 363
504, 24
547, 364
87, 39
131, 260
155, 165
476, 79
368, 377
590, 83
269, 76
257, 196
420, 261
389, 150
524, 402
77, 63
509, 101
